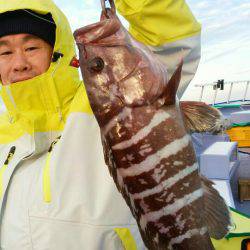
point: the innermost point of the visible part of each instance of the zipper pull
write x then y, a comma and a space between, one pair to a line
46, 173
54, 143
4, 167
10, 155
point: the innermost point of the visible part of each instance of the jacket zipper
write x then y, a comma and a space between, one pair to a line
46, 173
4, 167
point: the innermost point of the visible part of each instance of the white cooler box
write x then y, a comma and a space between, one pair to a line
219, 160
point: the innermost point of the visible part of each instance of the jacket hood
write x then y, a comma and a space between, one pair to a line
44, 101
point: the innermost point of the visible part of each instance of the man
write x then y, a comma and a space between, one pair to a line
55, 190
25, 52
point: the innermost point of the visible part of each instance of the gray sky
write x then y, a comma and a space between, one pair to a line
225, 38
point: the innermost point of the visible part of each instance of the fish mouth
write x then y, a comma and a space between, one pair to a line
88, 34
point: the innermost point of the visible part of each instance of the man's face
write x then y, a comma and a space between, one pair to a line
22, 57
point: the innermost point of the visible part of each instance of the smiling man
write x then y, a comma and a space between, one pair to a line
55, 190
23, 57
26, 45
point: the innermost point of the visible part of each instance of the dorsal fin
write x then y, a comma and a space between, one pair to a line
172, 86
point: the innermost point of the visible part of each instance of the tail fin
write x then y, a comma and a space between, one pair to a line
200, 117
217, 214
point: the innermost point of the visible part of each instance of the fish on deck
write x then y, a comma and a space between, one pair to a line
146, 143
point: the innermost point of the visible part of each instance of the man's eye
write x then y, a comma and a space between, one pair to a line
5, 53
31, 48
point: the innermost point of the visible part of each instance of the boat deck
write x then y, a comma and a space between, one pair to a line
228, 188
243, 172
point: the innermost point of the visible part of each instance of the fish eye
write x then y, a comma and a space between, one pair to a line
96, 64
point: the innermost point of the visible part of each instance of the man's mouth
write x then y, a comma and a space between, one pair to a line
20, 79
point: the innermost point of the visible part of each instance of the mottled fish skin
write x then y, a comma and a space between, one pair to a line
157, 173
146, 146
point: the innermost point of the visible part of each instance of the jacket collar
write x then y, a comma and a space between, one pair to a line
43, 100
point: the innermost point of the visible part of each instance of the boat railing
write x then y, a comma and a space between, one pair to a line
228, 89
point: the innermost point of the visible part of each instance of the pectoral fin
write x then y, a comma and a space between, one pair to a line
200, 117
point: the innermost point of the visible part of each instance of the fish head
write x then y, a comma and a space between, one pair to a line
117, 71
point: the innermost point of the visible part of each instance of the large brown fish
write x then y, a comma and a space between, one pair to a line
146, 145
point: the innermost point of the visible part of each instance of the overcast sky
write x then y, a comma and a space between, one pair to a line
225, 38
225, 34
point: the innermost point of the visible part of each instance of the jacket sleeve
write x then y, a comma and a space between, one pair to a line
170, 29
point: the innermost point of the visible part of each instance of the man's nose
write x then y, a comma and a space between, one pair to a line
21, 63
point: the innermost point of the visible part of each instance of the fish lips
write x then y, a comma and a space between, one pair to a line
98, 33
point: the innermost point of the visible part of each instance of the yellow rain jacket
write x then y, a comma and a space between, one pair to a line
55, 190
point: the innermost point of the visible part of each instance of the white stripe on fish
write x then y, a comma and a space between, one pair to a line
152, 160
167, 183
170, 209
158, 118
125, 113
189, 234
